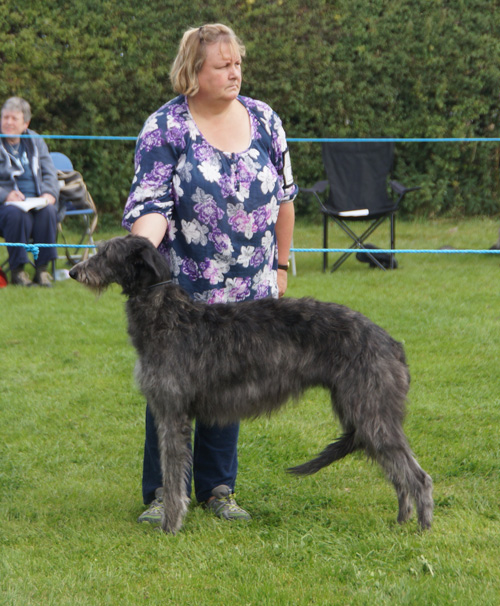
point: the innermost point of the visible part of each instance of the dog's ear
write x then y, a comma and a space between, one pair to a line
149, 266
140, 266
153, 264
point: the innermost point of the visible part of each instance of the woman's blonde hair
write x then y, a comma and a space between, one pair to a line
192, 54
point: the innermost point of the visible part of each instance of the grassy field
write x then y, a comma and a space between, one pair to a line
71, 423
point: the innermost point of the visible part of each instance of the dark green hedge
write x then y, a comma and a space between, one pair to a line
338, 68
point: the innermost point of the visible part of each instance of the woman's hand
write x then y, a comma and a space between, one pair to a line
14, 196
282, 282
49, 197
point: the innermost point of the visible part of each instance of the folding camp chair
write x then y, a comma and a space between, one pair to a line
67, 208
357, 178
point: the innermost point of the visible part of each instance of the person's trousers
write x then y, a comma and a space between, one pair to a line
215, 459
39, 226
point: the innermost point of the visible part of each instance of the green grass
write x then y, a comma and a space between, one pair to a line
71, 424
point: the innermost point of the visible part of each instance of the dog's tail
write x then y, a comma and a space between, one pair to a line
339, 449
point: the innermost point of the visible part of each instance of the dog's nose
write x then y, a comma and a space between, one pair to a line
73, 273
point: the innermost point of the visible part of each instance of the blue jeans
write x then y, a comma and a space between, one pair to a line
18, 226
215, 459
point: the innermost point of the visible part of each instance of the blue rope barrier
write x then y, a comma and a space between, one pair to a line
375, 251
76, 137
294, 139
396, 140
35, 249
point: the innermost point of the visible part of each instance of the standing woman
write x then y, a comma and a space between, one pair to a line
213, 190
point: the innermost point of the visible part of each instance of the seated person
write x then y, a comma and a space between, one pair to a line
26, 171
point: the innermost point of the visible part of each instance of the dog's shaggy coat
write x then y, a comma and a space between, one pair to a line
224, 362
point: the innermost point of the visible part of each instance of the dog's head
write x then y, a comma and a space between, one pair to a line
130, 261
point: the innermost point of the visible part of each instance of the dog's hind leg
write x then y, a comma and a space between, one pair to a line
404, 502
175, 458
410, 482
421, 489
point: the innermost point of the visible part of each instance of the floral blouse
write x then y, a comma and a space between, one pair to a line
221, 207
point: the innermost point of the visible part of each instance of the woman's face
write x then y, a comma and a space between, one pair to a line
13, 123
220, 76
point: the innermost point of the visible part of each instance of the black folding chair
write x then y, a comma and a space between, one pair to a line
358, 182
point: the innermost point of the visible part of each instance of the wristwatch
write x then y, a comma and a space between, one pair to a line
284, 267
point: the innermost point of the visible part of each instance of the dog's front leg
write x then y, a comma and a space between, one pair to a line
175, 458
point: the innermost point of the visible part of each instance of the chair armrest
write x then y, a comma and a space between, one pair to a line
317, 188
400, 189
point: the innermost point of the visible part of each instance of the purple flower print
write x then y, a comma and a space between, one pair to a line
255, 127
251, 103
202, 151
262, 291
261, 217
218, 295
244, 175
190, 269
208, 212
179, 110
239, 290
211, 271
160, 173
226, 185
242, 222
258, 257
222, 242
175, 136
150, 140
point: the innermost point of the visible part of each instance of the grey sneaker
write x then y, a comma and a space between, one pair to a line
154, 512
21, 278
43, 278
224, 505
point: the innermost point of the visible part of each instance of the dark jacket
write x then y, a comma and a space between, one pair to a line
41, 164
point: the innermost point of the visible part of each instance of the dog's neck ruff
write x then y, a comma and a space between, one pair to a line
160, 284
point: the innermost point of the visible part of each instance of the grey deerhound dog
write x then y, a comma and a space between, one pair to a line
224, 362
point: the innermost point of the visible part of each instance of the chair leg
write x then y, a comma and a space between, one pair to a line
339, 261
358, 242
325, 242
393, 238
75, 255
